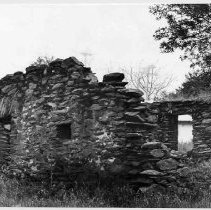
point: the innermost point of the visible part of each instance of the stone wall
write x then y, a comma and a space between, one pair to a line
61, 115
168, 123
60, 120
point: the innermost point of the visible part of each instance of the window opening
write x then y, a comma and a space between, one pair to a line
185, 133
64, 131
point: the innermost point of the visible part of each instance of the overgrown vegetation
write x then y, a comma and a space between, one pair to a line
187, 29
178, 96
43, 60
15, 192
185, 146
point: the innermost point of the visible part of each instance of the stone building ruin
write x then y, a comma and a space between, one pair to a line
62, 112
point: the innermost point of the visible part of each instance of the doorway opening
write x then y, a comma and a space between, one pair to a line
185, 133
5, 131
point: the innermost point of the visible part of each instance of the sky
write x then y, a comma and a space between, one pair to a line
116, 36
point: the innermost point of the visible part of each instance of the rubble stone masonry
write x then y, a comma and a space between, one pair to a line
59, 117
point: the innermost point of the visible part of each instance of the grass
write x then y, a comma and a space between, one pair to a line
185, 146
32, 194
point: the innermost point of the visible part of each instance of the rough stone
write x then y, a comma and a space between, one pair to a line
70, 62
96, 107
206, 121
158, 153
52, 104
184, 172
152, 173
167, 164
56, 86
56, 62
7, 88
152, 119
134, 135
32, 86
176, 154
141, 180
151, 145
62, 110
113, 77
134, 93
164, 147
131, 114
140, 108
208, 129
92, 79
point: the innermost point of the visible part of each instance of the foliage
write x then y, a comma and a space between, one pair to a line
196, 82
202, 96
24, 193
196, 86
166, 96
188, 29
45, 60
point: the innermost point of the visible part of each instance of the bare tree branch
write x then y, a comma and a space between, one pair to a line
148, 80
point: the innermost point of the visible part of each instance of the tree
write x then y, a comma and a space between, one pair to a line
188, 29
43, 61
196, 83
166, 96
148, 80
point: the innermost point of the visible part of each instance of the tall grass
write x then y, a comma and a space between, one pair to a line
18, 193
185, 146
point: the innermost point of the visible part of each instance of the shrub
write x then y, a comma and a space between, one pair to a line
110, 193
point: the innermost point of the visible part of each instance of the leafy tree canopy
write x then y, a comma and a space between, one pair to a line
196, 83
188, 29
